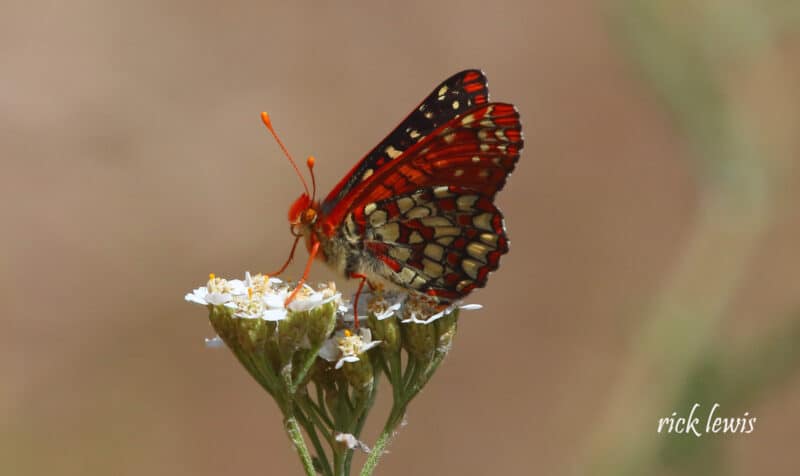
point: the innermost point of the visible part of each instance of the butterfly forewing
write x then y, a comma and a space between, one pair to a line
457, 94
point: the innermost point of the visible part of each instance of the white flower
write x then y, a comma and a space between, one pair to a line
216, 292
384, 304
260, 297
255, 306
345, 346
203, 297
214, 342
352, 442
413, 313
308, 299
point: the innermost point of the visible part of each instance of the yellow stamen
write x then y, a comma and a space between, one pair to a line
250, 293
347, 333
211, 276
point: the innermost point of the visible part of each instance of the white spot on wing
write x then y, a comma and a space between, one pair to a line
406, 275
470, 267
434, 251
441, 192
477, 251
418, 212
466, 202
377, 218
483, 221
432, 268
392, 152
405, 204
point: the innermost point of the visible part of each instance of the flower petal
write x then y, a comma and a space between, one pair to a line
214, 342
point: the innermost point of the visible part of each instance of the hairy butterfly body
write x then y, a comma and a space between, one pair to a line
417, 212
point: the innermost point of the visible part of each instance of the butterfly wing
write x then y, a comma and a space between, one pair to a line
425, 220
476, 150
455, 95
442, 241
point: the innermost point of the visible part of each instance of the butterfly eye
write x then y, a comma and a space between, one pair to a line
309, 216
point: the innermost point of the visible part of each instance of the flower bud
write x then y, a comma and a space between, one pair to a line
359, 374
222, 321
321, 322
251, 334
446, 327
419, 340
386, 330
291, 334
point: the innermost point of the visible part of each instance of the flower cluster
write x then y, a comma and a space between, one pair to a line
321, 364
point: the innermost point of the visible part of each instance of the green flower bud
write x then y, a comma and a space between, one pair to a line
386, 330
446, 327
359, 374
419, 340
222, 321
291, 333
321, 322
251, 334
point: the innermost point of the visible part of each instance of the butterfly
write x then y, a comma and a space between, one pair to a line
417, 212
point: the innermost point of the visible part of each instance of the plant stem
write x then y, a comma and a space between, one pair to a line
380, 446
293, 430
312, 435
339, 461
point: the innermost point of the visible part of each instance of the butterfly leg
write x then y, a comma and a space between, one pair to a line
363, 279
291, 257
311, 255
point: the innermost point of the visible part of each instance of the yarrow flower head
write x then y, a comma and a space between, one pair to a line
260, 296
216, 292
314, 339
420, 310
380, 303
346, 346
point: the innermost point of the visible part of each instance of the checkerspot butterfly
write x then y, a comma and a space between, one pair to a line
417, 211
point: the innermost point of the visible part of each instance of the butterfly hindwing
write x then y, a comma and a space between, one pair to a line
456, 95
442, 241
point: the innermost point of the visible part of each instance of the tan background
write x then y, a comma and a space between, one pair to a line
134, 163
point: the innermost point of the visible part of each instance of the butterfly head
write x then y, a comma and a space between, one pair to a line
303, 214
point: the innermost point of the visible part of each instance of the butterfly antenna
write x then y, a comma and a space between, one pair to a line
267, 122
310, 163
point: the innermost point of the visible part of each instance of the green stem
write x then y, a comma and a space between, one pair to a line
323, 406
339, 461
362, 419
420, 381
383, 440
411, 369
308, 407
293, 430
322, 457
310, 359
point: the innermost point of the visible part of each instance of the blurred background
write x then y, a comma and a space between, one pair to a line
653, 219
